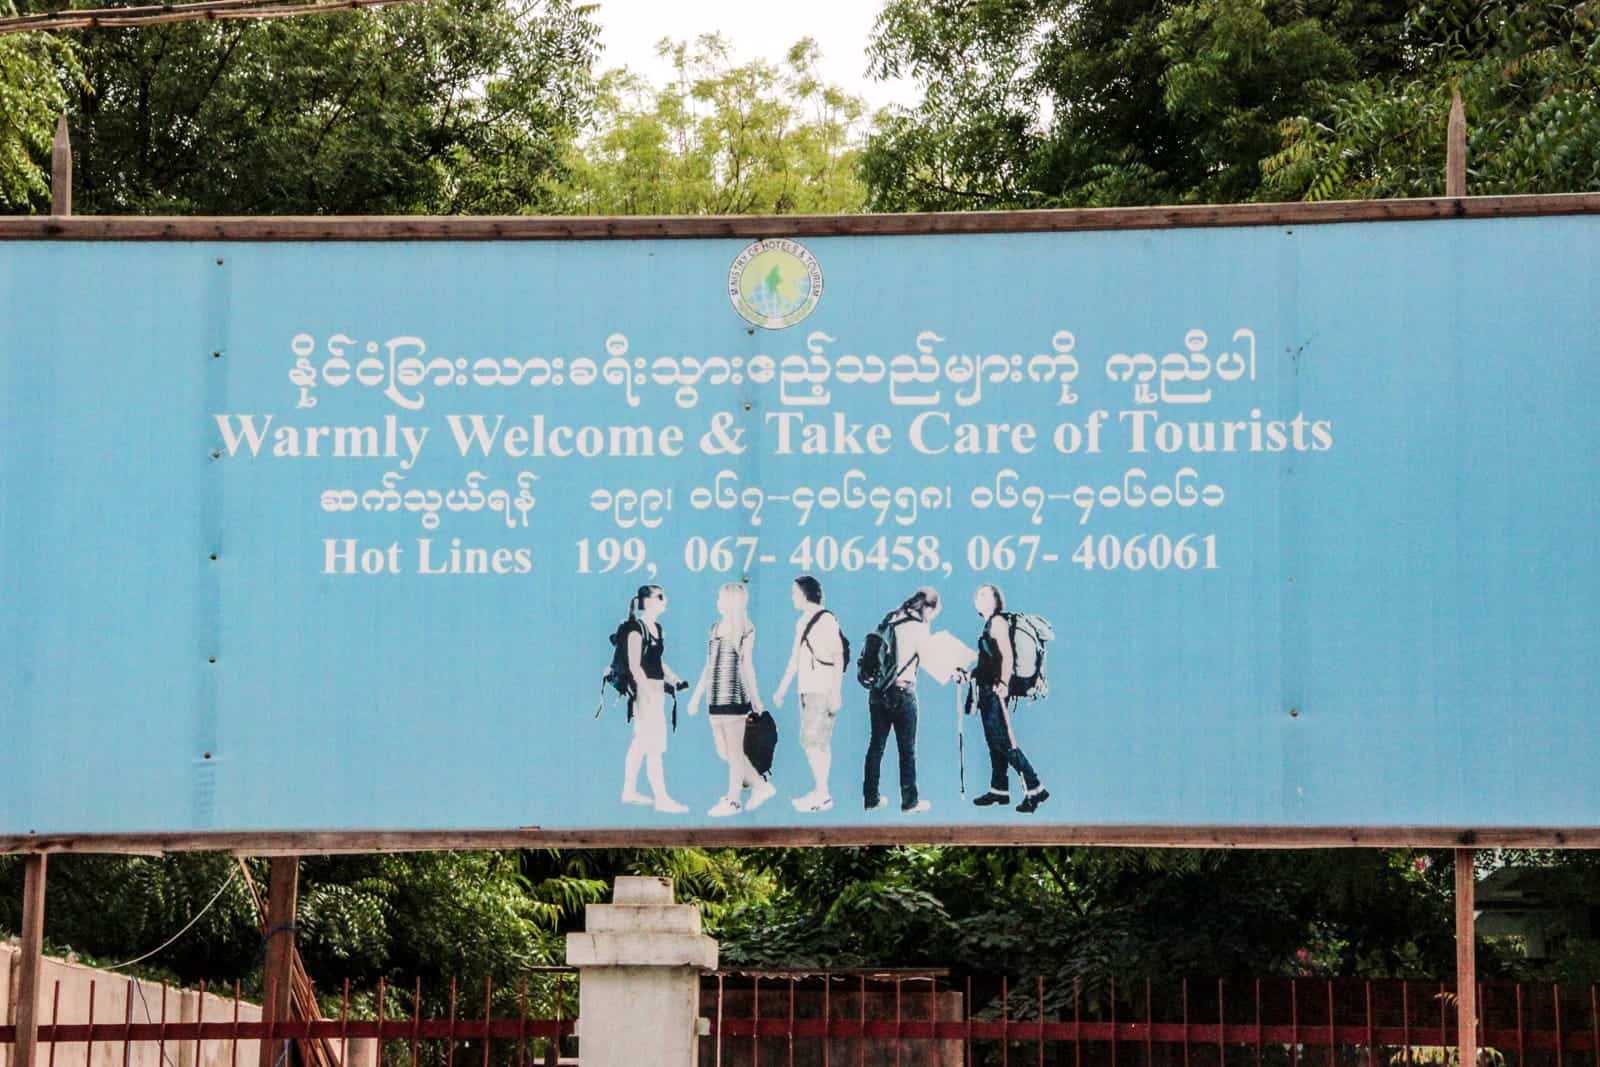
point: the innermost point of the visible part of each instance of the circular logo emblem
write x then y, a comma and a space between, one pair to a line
775, 283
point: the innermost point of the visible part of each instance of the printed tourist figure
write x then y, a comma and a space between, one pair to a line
646, 646
992, 678
729, 681
818, 660
895, 650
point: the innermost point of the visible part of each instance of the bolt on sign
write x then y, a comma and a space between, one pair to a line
805, 530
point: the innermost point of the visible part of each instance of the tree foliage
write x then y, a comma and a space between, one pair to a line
1093, 915
1529, 76
33, 68
1035, 103
480, 105
1099, 914
407, 918
720, 138
447, 106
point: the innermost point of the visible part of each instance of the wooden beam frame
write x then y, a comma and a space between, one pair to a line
1466, 958
528, 228
325, 842
61, 170
283, 893
1466, 885
1455, 167
552, 228
32, 959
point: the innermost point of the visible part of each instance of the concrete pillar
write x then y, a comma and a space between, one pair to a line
639, 961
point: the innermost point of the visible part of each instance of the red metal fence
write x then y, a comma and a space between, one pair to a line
908, 1018
882, 1017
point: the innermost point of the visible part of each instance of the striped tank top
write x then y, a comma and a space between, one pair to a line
727, 684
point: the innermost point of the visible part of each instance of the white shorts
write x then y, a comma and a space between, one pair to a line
816, 722
650, 719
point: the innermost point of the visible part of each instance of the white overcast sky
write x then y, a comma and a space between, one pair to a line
631, 28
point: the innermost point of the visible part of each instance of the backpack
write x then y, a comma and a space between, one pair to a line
879, 655
760, 741
1029, 635
618, 677
844, 642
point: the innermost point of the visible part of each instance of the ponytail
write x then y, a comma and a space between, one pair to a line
636, 605
924, 598
738, 615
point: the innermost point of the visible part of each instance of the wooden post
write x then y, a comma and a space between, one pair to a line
282, 896
61, 171
1466, 960
1455, 160
27, 992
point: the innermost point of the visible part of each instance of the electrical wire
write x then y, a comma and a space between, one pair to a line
138, 987
187, 927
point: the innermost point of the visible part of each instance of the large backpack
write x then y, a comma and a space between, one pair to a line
844, 642
880, 654
618, 677
1029, 635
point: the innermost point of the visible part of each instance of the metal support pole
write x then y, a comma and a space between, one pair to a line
61, 171
282, 897
33, 879
1466, 960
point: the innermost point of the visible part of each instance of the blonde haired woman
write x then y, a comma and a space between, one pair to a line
729, 682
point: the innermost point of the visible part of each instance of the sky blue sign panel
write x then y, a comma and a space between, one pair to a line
1300, 521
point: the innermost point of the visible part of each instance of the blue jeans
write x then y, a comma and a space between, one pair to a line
894, 709
1002, 755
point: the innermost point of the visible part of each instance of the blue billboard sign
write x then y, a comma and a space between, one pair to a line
1275, 526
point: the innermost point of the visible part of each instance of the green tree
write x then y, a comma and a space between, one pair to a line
720, 139
472, 105
1039, 103
407, 918
447, 106
1529, 75
32, 96
398, 916
1099, 914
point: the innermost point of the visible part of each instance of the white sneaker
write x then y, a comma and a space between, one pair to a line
760, 793
725, 807
631, 797
803, 803
877, 804
918, 807
821, 804
670, 806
